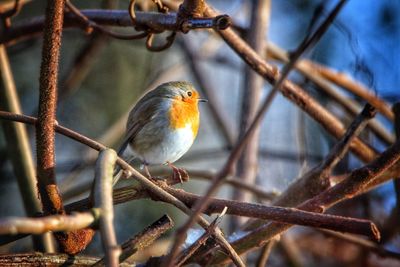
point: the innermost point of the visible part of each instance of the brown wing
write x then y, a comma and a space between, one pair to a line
144, 111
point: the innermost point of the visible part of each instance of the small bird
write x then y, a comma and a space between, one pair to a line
163, 124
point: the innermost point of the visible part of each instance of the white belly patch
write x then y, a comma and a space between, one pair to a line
174, 145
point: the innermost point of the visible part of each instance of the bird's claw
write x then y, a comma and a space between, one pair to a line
179, 174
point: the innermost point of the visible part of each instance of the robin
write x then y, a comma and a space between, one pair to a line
163, 124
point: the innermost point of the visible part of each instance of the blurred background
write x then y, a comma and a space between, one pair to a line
95, 96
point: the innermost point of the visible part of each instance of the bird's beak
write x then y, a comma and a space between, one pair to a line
202, 100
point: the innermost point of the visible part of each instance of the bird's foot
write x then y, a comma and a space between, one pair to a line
178, 174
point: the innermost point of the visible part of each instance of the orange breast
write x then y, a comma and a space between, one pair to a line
183, 113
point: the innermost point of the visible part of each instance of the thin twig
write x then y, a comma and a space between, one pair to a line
133, 192
247, 165
90, 25
264, 255
291, 249
219, 114
370, 245
192, 8
104, 201
81, 66
84, 60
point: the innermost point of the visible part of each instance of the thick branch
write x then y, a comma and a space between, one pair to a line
251, 210
42, 259
48, 191
287, 215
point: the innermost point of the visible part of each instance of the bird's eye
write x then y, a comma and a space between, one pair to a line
189, 93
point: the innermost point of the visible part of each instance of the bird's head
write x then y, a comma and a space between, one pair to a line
180, 90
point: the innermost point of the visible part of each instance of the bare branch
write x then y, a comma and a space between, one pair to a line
104, 201
41, 259
247, 166
48, 191
157, 22
221, 118
146, 237
265, 252
54, 223
287, 215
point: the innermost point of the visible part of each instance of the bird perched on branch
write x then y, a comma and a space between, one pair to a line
163, 125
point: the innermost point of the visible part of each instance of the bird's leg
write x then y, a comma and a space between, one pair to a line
146, 170
178, 173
